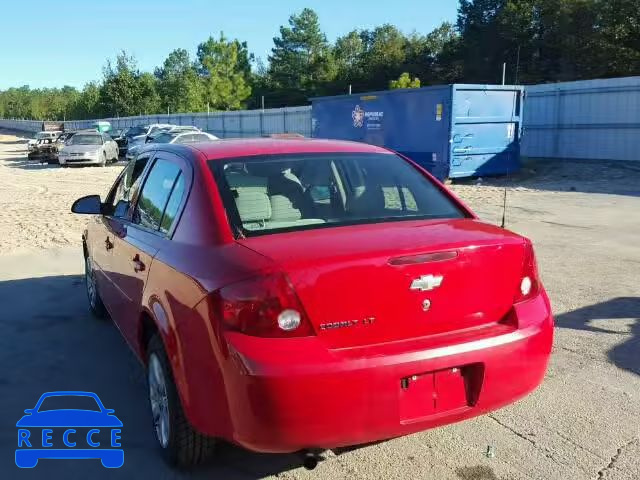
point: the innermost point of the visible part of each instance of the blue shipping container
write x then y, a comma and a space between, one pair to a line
452, 130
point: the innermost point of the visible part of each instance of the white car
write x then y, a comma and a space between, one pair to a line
89, 148
42, 136
138, 134
174, 136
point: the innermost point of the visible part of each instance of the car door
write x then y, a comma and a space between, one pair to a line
112, 225
98, 239
150, 224
106, 142
114, 148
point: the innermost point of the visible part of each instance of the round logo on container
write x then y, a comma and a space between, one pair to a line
358, 117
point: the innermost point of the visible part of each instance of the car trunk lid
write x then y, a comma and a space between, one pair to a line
369, 284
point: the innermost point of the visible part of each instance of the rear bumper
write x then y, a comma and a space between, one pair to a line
79, 161
288, 395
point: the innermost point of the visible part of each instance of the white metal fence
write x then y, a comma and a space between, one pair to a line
242, 123
592, 119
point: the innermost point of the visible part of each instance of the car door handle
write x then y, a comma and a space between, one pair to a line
108, 244
138, 265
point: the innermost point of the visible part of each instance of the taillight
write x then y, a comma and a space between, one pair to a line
528, 284
264, 307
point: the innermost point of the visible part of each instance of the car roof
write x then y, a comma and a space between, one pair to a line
221, 149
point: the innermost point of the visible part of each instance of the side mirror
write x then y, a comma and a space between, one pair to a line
29, 411
90, 205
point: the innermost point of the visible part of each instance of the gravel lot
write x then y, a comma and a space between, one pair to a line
582, 423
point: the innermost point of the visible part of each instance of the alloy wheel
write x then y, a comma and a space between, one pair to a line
159, 400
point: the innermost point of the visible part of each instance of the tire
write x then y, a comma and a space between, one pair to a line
96, 307
181, 445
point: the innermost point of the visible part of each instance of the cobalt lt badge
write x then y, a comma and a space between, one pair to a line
426, 283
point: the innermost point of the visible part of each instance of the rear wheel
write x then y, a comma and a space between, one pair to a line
181, 444
95, 302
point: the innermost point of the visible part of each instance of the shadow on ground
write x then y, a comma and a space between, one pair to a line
587, 176
24, 163
50, 342
625, 355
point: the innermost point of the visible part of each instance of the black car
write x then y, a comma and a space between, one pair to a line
120, 137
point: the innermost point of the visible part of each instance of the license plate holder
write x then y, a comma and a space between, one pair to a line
432, 393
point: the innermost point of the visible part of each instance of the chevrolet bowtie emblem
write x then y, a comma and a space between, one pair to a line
426, 282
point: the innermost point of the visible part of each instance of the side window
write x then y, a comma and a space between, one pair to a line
172, 205
120, 197
155, 193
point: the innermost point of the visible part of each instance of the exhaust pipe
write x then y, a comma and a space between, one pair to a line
310, 460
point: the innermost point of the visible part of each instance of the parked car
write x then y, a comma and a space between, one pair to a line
309, 294
88, 147
42, 136
119, 136
179, 136
45, 151
137, 135
64, 137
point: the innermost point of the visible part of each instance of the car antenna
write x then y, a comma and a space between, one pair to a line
504, 207
504, 198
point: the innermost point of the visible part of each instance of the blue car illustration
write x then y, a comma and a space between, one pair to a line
36, 438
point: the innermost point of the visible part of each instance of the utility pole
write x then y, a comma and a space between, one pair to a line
504, 71
262, 102
207, 108
349, 89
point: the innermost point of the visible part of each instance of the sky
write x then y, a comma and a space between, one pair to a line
67, 42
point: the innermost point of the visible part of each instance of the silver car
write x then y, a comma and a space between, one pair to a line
89, 148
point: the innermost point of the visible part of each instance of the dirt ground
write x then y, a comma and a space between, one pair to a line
582, 423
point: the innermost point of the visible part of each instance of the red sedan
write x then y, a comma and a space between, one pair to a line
300, 294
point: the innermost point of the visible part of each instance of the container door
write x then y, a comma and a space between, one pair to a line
485, 130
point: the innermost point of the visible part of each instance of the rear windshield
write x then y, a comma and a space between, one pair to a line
135, 131
80, 139
275, 193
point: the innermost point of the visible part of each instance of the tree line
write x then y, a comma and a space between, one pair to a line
539, 40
